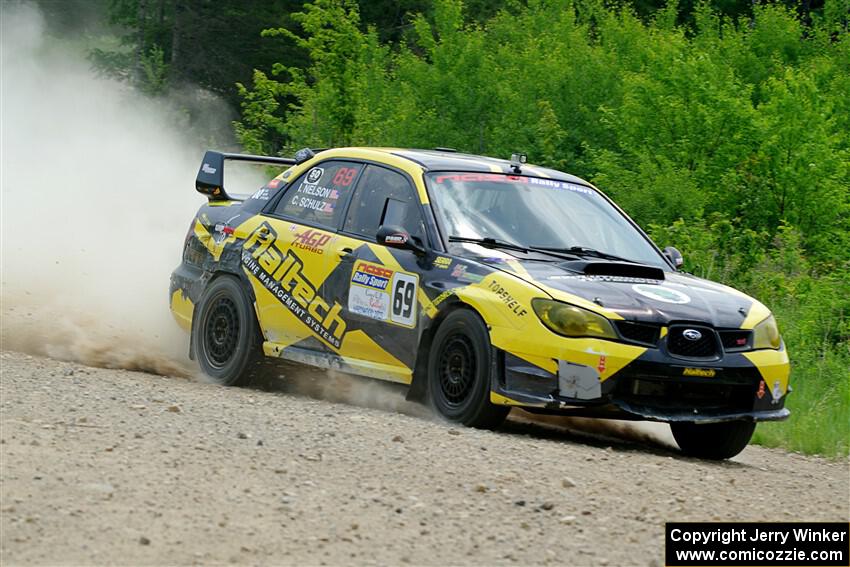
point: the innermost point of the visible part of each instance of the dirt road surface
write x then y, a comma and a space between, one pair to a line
115, 467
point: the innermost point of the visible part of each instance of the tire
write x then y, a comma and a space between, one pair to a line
460, 370
716, 441
225, 335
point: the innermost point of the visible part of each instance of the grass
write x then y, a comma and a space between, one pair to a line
820, 401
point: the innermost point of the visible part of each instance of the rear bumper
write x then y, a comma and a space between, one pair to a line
184, 292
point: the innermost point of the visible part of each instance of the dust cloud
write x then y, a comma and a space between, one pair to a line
97, 195
97, 190
337, 387
641, 432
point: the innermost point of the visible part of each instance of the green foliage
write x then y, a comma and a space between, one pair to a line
723, 128
166, 44
262, 128
154, 69
744, 119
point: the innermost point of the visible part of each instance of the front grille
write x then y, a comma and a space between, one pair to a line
735, 340
705, 346
639, 332
707, 395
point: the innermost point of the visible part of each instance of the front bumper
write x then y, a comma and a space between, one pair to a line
652, 387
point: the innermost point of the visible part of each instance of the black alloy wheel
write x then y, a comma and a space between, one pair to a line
221, 335
225, 334
457, 369
460, 371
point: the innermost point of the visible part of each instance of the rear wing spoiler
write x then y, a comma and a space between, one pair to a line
210, 179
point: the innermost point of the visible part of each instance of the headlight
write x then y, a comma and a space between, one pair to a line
766, 334
572, 321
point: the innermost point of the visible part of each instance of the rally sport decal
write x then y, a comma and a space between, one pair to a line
378, 292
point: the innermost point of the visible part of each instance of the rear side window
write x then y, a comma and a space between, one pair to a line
383, 196
319, 196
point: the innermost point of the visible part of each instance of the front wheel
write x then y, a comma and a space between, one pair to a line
715, 441
459, 371
224, 333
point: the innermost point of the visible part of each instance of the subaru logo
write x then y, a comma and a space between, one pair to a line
692, 334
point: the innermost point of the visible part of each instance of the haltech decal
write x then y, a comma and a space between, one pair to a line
704, 372
281, 274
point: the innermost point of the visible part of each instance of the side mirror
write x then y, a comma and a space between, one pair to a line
394, 236
675, 257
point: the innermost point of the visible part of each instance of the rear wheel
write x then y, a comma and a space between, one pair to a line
713, 440
224, 333
459, 371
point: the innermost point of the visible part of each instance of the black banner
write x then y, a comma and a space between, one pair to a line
761, 544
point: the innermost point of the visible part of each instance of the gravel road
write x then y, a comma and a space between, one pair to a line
115, 467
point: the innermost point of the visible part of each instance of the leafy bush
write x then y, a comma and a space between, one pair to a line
727, 138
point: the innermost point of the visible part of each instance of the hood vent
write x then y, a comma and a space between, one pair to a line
618, 269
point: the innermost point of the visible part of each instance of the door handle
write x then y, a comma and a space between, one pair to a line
345, 252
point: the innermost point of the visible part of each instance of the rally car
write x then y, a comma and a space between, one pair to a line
483, 284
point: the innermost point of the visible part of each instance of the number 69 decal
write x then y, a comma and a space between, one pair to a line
403, 292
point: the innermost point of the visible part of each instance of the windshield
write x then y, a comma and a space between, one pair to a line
535, 212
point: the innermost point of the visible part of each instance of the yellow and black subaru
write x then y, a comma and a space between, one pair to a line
483, 284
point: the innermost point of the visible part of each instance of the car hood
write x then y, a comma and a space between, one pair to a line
678, 297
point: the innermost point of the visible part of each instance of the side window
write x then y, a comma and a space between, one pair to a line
383, 196
319, 195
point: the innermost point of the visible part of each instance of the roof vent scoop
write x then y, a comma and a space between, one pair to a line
615, 269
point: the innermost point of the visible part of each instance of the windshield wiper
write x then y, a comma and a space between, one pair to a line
495, 243
489, 243
583, 251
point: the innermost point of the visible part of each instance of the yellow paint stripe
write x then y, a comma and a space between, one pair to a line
278, 323
182, 308
384, 156
501, 400
520, 271
402, 374
361, 348
385, 257
535, 171
663, 332
209, 242
755, 315
772, 365
517, 267
560, 295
